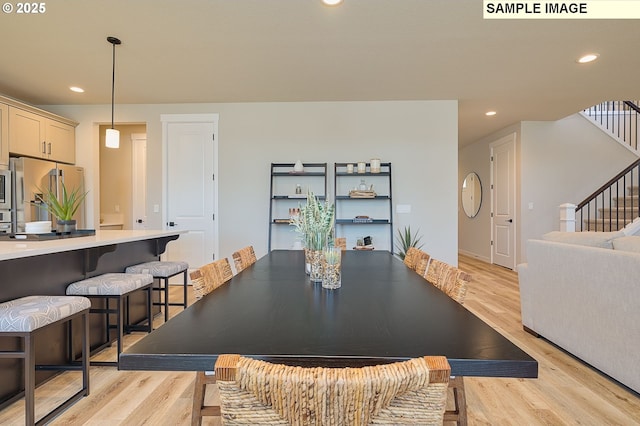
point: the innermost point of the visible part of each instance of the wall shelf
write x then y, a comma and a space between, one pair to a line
283, 197
378, 210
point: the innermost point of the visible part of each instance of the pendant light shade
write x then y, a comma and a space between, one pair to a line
112, 138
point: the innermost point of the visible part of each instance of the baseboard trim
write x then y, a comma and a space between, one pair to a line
474, 255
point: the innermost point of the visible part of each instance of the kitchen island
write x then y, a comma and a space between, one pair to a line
47, 267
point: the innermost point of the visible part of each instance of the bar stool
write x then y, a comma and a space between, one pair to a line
163, 270
22, 318
116, 286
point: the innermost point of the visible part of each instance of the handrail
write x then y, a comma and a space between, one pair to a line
632, 105
608, 184
608, 196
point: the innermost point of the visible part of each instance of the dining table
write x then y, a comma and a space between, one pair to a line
383, 312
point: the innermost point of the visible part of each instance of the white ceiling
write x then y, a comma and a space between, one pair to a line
299, 50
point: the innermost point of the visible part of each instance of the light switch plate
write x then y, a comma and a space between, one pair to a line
156, 208
403, 208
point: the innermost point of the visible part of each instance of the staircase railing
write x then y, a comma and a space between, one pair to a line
620, 118
613, 205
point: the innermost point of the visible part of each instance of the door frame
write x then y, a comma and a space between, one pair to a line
508, 139
138, 172
165, 119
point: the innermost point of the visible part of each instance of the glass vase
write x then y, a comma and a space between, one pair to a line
317, 265
332, 268
307, 261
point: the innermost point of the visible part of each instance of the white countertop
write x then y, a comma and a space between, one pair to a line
24, 248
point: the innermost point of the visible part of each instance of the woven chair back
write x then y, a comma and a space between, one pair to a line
257, 392
210, 276
449, 279
412, 257
340, 242
423, 264
244, 258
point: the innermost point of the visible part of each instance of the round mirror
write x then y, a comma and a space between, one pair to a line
471, 194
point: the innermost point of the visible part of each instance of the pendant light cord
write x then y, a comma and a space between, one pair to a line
113, 83
113, 41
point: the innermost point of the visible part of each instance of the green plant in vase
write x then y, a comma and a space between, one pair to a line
64, 207
315, 225
315, 222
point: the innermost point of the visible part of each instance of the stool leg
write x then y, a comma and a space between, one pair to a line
120, 320
85, 352
29, 380
107, 318
185, 289
166, 299
149, 304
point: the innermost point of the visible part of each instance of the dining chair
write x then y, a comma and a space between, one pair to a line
448, 279
210, 276
258, 392
423, 264
204, 280
340, 242
453, 282
413, 256
244, 258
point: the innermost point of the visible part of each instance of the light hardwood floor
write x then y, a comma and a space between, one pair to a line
567, 392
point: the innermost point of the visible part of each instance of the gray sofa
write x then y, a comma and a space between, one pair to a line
581, 291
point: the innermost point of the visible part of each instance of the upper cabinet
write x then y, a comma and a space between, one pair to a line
35, 135
4, 135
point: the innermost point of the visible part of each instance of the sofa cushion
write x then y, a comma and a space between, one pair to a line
629, 243
592, 239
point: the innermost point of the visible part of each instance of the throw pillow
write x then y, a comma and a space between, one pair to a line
592, 239
630, 243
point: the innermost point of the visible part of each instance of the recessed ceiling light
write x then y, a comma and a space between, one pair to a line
490, 113
76, 89
332, 2
588, 58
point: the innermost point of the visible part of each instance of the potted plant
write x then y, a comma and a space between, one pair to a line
62, 208
315, 225
405, 240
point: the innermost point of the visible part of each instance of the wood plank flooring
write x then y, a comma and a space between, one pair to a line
567, 392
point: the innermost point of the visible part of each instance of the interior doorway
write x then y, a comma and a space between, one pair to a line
503, 201
117, 182
190, 159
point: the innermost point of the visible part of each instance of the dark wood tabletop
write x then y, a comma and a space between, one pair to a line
384, 312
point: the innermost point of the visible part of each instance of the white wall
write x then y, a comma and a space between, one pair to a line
419, 138
559, 162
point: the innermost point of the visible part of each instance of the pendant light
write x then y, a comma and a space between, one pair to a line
112, 139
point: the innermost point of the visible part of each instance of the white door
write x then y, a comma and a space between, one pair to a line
139, 180
191, 190
503, 201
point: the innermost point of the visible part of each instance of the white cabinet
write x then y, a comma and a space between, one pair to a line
4, 135
35, 135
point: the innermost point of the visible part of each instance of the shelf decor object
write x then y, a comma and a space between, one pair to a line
375, 165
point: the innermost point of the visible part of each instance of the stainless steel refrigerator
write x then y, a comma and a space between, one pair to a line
31, 176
